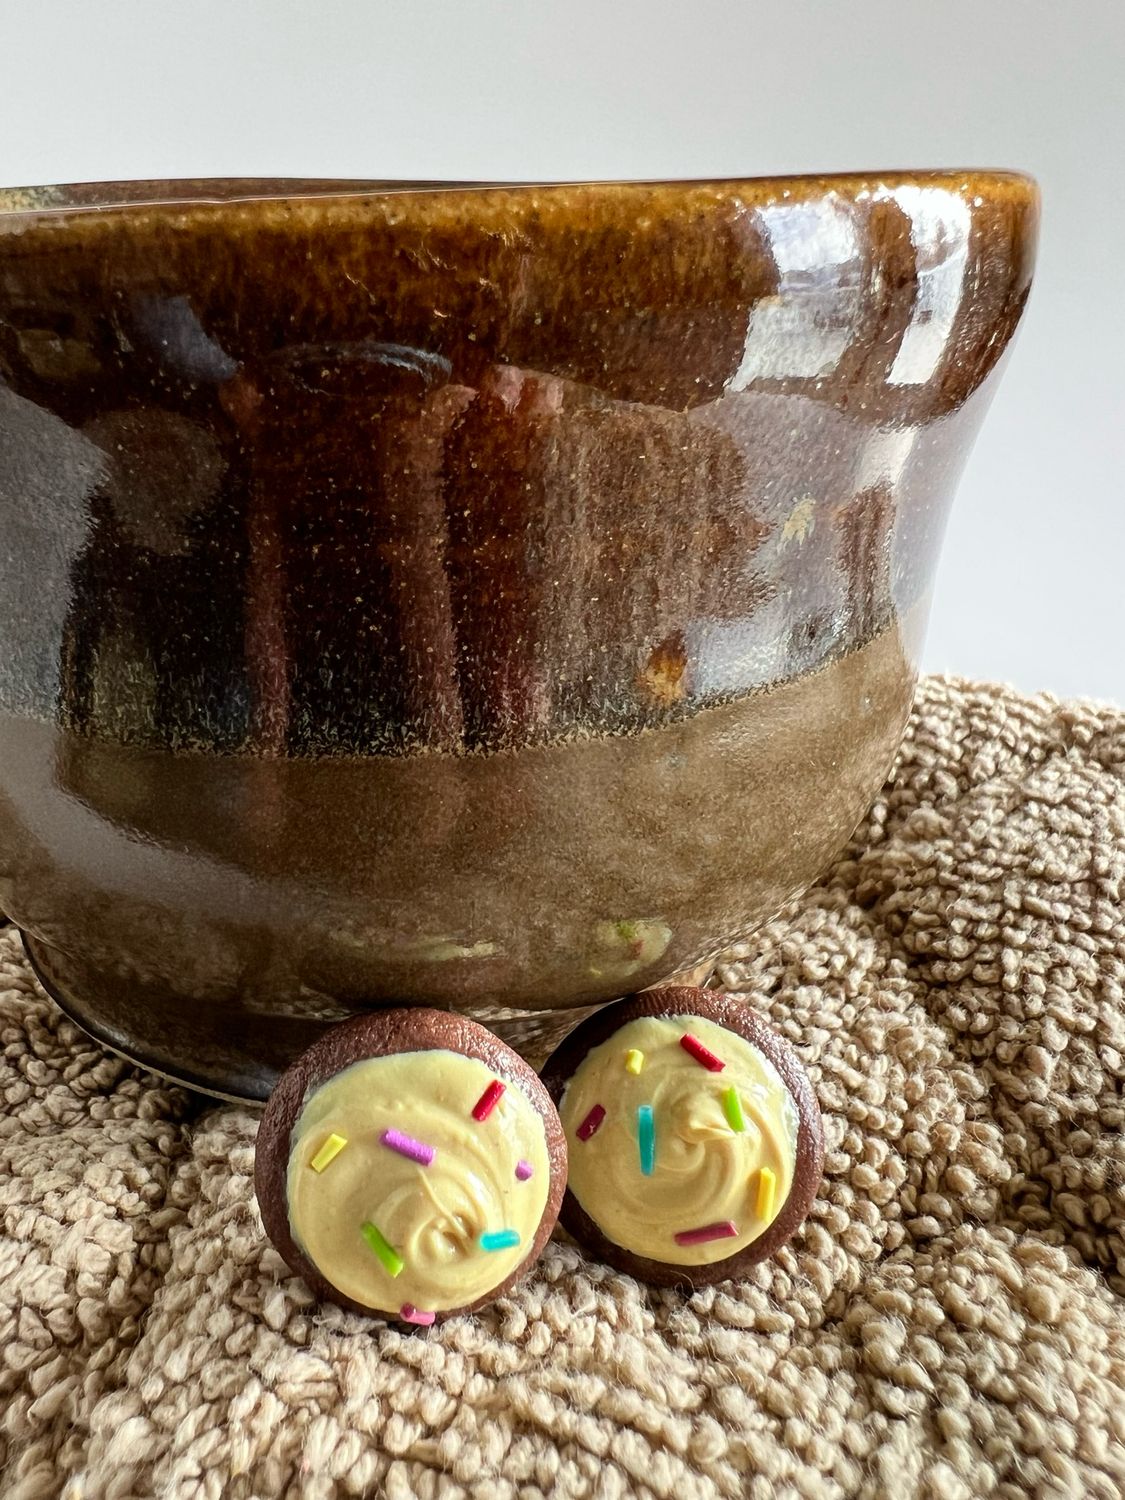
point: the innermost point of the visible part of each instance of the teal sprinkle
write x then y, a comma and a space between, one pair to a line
500, 1239
646, 1138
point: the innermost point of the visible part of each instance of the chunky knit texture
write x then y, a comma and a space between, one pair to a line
950, 1323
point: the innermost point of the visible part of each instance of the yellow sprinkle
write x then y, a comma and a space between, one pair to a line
634, 1060
767, 1189
328, 1152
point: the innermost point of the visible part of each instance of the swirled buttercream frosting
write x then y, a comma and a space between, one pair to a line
682, 1139
417, 1180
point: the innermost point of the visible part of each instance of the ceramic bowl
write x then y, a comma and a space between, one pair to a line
496, 598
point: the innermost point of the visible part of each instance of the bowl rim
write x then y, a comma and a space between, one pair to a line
180, 195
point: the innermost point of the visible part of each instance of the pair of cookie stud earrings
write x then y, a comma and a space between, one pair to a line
411, 1165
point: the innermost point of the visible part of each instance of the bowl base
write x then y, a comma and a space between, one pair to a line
234, 1071
223, 1051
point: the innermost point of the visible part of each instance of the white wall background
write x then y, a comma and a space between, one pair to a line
1032, 587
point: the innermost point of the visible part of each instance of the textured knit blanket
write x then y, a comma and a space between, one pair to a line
950, 1323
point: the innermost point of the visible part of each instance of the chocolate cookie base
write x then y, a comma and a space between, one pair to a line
383, 1034
808, 1165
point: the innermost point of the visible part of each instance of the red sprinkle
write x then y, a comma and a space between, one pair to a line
488, 1100
702, 1054
411, 1314
722, 1231
590, 1123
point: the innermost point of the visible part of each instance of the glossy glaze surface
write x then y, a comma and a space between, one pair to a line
472, 596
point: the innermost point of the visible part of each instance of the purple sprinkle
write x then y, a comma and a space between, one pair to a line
523, 1170
406, 1145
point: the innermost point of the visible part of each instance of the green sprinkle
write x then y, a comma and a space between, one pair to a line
500, 1239
732, 1108
392, 1261
646, 1138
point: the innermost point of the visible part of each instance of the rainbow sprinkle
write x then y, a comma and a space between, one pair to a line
328, 1152
732, 1108
721, 1231
591, 1122
767, 1192
393, 1262
646, 1138
411, 1314
524, 1169
406, 1145
634, 1061
488, 1100
695, 1048
500, 1239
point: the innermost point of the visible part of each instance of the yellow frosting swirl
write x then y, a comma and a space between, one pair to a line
432, 1217
704, 1170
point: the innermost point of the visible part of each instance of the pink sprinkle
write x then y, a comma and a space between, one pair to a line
488, 1100
722, 1231
406, 1145
523, 1170
411, 1314
590, 1123
702, 1054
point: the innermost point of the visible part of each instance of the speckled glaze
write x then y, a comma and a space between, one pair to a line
482, 597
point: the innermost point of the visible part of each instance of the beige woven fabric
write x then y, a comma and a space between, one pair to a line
950, 1323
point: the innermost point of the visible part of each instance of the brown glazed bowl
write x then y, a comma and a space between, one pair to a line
494, 598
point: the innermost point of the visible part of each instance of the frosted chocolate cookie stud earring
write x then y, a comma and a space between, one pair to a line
694, 1136
410, 1164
